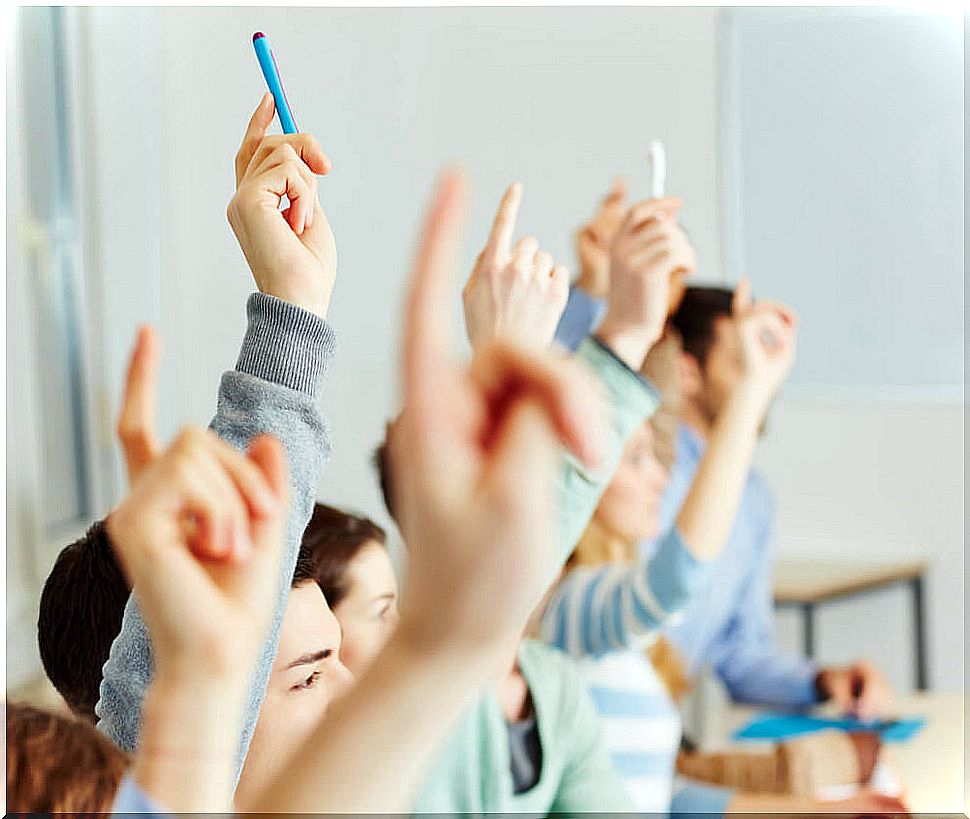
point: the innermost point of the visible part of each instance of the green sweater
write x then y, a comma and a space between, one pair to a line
473, 772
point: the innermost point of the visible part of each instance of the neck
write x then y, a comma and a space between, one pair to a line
696, 419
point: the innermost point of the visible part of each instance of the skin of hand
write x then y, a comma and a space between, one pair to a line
648, 247
476, 451
200, 530
291, 252
860, 689
467, 443
766, 331
593, 242
515, 293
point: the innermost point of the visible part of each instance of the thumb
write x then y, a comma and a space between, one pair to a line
268, 455
741, 302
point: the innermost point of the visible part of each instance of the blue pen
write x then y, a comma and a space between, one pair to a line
268, 63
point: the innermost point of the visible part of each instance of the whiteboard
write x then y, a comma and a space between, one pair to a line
842, 163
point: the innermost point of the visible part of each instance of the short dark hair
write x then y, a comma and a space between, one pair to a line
382, 464
80, 615
333, 538
695, 317
81, 608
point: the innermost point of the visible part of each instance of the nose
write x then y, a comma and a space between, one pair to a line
342, 679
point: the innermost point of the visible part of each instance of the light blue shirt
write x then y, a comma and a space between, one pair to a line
728, 624
131, 799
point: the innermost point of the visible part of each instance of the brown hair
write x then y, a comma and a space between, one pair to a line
332, 540
59, 764
696, 315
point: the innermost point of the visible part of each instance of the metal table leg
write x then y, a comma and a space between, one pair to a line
919, 633
808, 629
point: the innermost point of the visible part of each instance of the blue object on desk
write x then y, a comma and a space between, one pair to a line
785, 726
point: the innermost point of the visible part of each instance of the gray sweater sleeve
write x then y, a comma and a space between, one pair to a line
274, 389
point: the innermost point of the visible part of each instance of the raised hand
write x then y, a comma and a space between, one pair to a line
647, 251
514, 293
475, 452
198, 534
291, 252
766, 332
593, 242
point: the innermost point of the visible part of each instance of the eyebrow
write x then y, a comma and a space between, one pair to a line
310, 659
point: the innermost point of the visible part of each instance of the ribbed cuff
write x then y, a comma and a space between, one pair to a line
285, 344
619, 378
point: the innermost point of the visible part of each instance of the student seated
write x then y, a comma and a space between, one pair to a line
637, 678
729, 629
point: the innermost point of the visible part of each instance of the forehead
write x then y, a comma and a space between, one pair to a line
371, 568
308, 624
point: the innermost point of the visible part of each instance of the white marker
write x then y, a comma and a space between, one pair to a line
658, 169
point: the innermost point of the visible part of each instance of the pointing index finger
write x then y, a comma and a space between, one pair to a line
136, 423
503, 228
427, 326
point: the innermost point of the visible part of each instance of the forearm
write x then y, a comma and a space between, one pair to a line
273, 390
371, 751
707, 514
595, 611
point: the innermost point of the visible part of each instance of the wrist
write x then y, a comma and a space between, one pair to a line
594, 283
629, 343
187, 744
752, 396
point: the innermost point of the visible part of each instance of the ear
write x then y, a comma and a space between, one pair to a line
690, 378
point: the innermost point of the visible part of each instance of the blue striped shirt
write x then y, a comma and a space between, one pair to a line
603, 616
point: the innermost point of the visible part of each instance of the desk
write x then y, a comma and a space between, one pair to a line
930, 766
806, 584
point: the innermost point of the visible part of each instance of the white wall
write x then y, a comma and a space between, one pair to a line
875, 481
844, 168
560, 98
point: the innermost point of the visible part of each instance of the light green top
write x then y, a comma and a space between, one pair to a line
473, 772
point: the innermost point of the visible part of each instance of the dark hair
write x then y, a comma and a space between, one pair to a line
383, 466
59, 764
81, 608
333, 539
80, 615
695, 317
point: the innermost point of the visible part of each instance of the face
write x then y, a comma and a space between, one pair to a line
368, 613
722, 368
630, 506
306, 677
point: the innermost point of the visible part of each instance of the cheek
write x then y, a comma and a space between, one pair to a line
619, 505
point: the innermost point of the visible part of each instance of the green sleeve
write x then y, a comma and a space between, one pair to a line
632, 400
